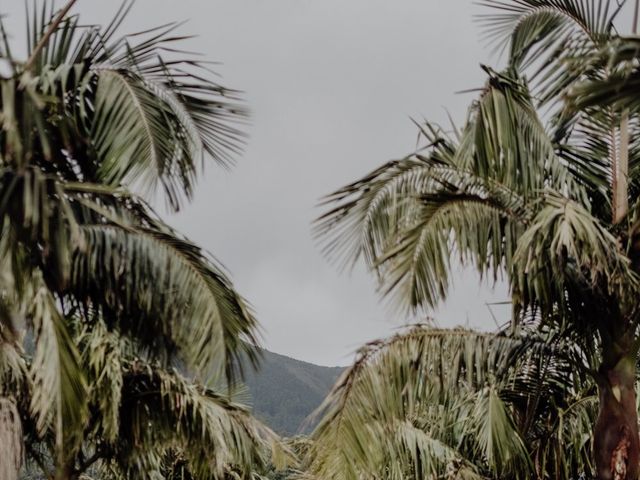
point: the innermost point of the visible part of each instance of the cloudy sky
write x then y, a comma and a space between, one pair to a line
332, 85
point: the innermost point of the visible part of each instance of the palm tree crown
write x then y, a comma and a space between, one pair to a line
110, 297
541, 184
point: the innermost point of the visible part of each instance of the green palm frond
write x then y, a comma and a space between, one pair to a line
565, 244
372, 201
428, 456
163, 290
506, 140
169, 116
13, 368
587, 142
405, 214
474, 198
550, 37
165, 409
11, 440
541, 196
102, 353
141, 415
619, 88
417, 268
106, 243
59, 387
521, 24
36, 211
444, 402
101, 282
566, 450
495, 436
145, 140
148, 117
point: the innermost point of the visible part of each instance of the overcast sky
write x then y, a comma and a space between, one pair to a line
332, 85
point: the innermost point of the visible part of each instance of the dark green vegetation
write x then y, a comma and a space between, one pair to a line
109, 295
539, 185
458, 404
285, 391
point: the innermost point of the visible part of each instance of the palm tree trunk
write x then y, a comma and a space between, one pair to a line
616, 436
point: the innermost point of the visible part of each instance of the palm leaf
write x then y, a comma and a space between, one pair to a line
11, 439
413, 402
212, 432
550, 36
58, 398
457, 404
163, 290
566, 244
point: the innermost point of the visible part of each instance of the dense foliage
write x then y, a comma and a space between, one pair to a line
540, 185
109, 297
101, 301
458, 404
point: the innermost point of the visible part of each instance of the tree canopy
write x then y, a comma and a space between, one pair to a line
100, 300
540, 184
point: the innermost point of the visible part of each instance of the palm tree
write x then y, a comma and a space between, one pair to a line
147, 420
540, 184
457, 404
85, 121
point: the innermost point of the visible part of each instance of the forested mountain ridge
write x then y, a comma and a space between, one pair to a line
284, 391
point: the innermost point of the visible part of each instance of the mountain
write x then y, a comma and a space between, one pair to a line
284, 391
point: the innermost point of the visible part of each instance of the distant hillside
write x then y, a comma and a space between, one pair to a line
285, 391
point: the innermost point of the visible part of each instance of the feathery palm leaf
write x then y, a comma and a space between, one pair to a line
446, 403
148, 118
476, 197
86, 119
543, 198
550, 37
139, 414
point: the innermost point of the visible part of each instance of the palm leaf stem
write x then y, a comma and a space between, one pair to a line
50, 31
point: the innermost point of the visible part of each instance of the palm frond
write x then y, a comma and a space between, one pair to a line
365, 212
163, 408
566, 244
506, 140
13, 368
549, 36
620, 57
103, 283
147, 142
105, 243
148, 112
172, 111
11, 440
403, 219
163, 290
417, 268
59, 391
436, 402
102, 354
473, 199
